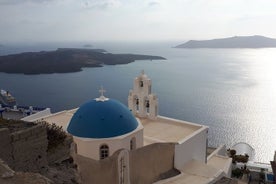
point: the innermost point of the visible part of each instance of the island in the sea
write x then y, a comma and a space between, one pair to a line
232, 42
87, 45
65, 60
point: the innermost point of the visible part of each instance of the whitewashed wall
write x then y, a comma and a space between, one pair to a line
90, 147
193, 147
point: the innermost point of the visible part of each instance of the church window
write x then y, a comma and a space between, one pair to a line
104, 151
141, 83
133, 143
137, 104
147, 105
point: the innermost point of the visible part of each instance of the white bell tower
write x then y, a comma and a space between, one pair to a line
141, 101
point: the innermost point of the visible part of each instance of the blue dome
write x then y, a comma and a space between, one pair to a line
102, 119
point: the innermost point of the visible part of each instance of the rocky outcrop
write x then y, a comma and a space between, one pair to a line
9, 176
24, 150
28, 160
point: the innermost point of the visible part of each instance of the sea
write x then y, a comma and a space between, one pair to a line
233, 91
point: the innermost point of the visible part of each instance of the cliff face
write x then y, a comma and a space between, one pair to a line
232, 42
9, 176
24, 150
24, 147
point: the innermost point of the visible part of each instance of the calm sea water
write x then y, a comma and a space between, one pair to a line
233, 91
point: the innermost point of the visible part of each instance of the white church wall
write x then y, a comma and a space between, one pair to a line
193, 147
90, 147
125, 143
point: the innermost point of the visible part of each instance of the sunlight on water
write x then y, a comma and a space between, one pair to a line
248, 106
263, 99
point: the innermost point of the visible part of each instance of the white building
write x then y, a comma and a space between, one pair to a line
136, 145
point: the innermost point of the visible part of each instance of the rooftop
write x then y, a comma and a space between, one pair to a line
61, 118
176, 130
201, 173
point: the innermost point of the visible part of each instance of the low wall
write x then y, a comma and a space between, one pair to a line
193, 147
97, 171
29, 149
61, 152
6, 146
148, 163
37, 115
24, 150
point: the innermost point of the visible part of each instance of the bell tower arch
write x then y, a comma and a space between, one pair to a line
141, 101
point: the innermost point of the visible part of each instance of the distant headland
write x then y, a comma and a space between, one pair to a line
87, 45
65, 60
232, 42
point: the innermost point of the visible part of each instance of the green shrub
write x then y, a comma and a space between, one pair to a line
241, 158
55, 135
237, 158
237, 173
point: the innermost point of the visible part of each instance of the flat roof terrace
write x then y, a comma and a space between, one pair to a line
61, 118
165, 129
162, 129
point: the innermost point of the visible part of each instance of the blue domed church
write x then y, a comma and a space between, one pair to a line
122, 145
106, 124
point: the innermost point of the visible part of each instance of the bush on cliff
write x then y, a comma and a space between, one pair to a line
55, 135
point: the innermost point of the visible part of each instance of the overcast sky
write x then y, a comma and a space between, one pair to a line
134, 20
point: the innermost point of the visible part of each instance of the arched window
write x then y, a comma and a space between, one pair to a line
147, 104
141, 84
133, 143
137, 103
104, 151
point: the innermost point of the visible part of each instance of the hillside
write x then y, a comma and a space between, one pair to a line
232, 42
65, 60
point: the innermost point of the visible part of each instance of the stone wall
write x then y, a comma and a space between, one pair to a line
8, 176
6, 146
61, 152
97, 171
149, 163
25, 150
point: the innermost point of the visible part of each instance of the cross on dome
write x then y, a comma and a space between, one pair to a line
102, 91
102, 97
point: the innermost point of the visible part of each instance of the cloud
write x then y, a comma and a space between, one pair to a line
101, 4
153, 3
13, 2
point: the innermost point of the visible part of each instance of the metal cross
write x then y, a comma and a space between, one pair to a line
102, 91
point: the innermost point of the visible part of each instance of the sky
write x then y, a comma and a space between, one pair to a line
134, 20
